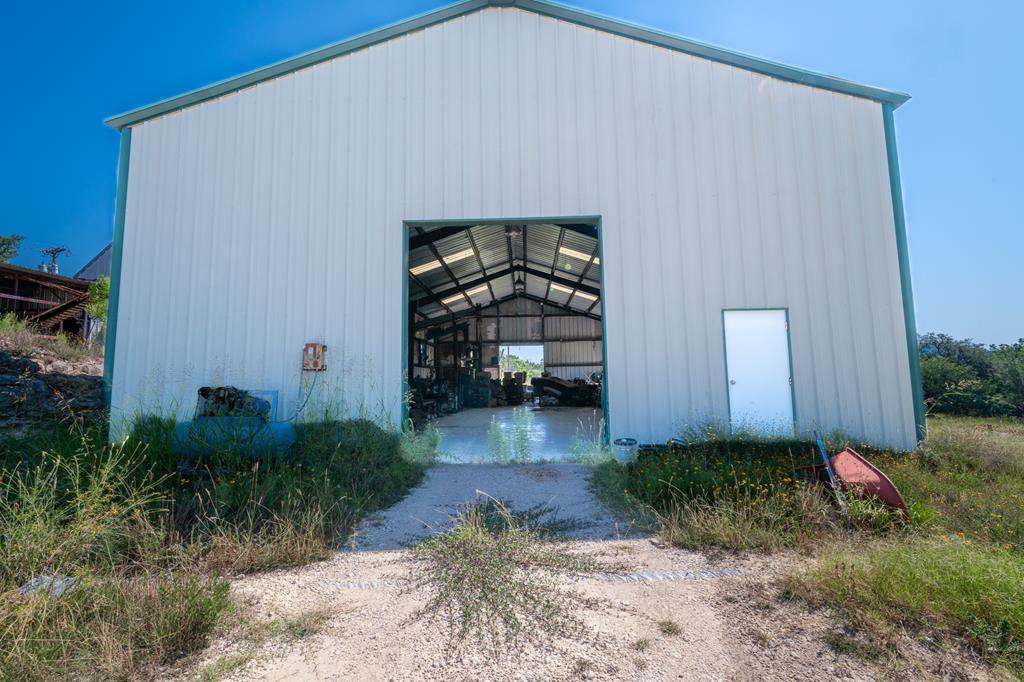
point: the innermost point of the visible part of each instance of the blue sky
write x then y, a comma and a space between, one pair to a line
69, 65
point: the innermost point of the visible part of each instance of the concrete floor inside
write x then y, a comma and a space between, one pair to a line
550, 433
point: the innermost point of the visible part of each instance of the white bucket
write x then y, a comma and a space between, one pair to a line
625, 449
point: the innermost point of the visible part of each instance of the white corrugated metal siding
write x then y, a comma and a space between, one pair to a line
273, 216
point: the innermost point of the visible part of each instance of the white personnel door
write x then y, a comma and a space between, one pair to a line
759, 374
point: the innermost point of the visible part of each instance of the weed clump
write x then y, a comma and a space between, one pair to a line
511, 445
20, 338
494, 582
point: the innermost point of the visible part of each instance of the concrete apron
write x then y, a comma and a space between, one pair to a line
464, 435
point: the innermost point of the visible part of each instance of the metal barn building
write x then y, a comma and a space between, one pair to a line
712, 236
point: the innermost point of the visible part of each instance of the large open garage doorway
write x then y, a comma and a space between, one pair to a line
505, 350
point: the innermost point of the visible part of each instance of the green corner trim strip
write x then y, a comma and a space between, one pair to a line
903, 253
544, 7
405, 323
120, 203
606, 413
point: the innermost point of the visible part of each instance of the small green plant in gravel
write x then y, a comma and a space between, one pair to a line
588, 442
251, 634
498, 447
519, 440
511, 444
669, 628
495, 583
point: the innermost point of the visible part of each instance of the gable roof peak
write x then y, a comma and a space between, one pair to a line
544, 7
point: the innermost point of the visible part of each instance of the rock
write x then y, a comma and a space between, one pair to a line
28, 394
10, 364
56, 585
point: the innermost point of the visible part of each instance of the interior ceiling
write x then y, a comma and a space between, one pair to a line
453, 269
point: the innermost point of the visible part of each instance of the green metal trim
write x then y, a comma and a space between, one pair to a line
120, 203
594, 220
903, 254
725, 364
405, 321
789, 349
532, 220
792, 370
606, 413
544, 7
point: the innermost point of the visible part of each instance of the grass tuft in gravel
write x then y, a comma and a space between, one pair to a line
495, 582
669, 628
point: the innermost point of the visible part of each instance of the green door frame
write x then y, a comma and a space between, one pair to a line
594, 220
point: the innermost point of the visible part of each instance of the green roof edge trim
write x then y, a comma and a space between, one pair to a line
544, 7
120, 206
903, 255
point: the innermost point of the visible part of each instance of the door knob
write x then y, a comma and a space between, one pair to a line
732, 382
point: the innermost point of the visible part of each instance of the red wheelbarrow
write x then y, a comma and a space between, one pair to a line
852, 474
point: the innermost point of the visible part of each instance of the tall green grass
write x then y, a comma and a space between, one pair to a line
146, 534
712, 488
137, 600
949, 587
959, 572
968, 479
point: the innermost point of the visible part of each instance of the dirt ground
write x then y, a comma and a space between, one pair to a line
731, 623
731, 627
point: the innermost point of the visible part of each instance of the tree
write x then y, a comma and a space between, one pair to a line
96, 303
955, 389
940, 376
961, 351
53, 252
1008, 368
9, 246
514, 363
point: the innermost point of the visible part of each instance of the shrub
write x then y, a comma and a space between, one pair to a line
955, 389
99, 293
